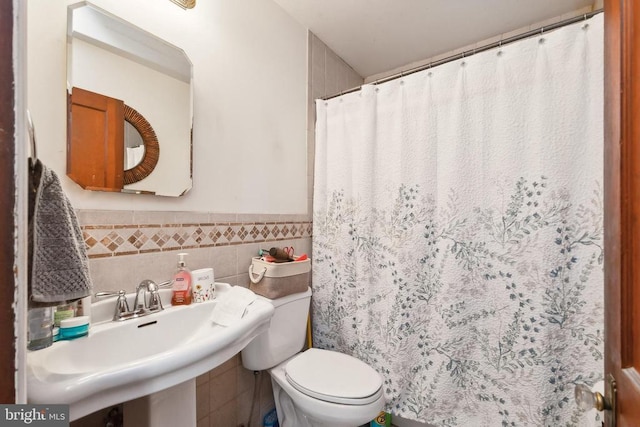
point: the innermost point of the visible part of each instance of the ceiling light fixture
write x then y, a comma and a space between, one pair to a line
185, 4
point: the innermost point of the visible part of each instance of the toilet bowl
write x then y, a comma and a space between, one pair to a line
316, 387
326, 388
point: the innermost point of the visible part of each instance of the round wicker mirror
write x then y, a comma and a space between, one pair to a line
151, 147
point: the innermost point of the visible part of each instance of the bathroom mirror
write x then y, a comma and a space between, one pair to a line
152, 79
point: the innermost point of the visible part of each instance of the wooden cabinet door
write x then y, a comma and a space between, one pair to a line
95, 146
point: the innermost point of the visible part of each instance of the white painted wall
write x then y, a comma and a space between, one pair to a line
250, 88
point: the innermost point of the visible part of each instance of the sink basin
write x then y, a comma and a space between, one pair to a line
120, 361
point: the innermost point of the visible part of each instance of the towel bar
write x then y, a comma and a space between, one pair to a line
32, 137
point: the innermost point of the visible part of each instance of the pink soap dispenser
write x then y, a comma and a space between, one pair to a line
181, 283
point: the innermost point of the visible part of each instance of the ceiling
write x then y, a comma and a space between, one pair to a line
375, 36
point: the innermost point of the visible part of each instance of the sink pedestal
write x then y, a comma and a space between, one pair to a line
174, 406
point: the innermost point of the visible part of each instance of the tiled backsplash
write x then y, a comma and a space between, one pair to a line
132, 239
126, 247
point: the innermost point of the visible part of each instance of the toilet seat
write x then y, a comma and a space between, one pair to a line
334, 377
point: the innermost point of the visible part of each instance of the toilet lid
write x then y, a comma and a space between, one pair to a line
334, 377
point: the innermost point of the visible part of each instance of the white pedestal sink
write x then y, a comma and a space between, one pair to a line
121, 361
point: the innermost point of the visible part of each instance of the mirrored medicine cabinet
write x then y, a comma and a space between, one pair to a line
130, 107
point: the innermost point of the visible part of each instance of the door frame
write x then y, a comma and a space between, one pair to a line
622, 207
8, 201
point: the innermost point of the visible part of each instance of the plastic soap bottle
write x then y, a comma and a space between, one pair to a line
181, 283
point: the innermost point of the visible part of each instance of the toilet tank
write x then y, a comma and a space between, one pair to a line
285, 336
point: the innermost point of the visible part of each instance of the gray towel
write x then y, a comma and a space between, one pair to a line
59, 267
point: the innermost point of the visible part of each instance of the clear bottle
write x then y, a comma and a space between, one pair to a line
181, 283
39, 334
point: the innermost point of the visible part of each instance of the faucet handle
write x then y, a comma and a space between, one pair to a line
121, 293
165, 284
122, 306
155, 303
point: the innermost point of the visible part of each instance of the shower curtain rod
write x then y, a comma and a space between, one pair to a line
470, 52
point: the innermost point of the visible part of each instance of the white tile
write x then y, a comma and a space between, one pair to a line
225, 261
103, 217
331, 73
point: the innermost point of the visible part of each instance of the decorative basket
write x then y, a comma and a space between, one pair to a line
275, 280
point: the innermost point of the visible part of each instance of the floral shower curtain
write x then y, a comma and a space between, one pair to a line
457, 233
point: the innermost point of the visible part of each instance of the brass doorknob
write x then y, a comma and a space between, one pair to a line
587, 399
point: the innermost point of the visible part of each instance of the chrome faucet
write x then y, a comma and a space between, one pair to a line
140, 305
155, 303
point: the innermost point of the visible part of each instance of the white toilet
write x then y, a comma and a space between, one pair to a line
315, 387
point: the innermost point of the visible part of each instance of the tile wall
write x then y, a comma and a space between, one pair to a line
126, 247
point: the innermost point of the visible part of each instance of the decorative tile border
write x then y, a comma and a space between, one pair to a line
126, 239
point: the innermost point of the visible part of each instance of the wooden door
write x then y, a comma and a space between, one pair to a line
95, 147
622, 207
8, 215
